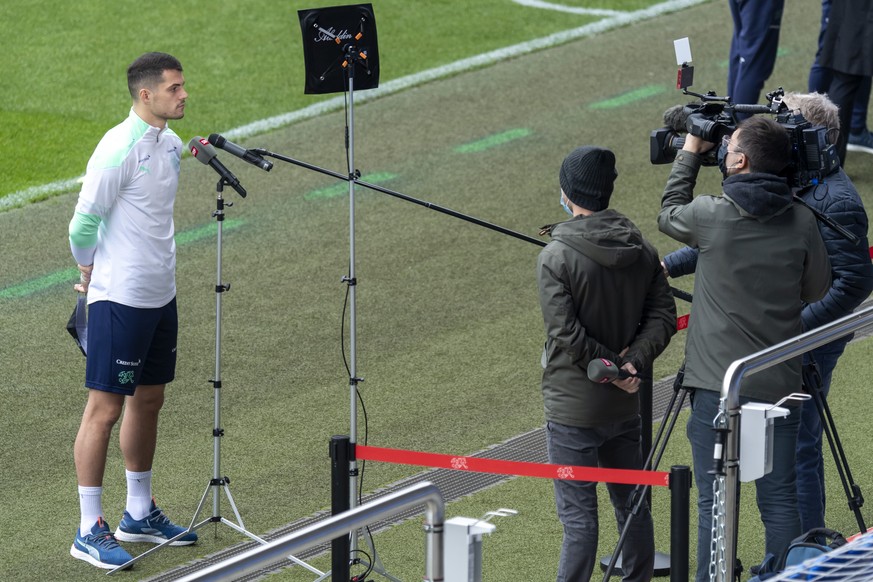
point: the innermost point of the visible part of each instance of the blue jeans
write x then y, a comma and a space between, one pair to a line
776, 491
810, 466
616, 446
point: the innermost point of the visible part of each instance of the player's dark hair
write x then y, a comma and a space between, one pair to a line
148, 71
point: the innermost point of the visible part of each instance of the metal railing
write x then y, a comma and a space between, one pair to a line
425, 493
730, 407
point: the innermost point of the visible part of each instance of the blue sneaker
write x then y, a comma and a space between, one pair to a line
860, 142
155, 528
99, 547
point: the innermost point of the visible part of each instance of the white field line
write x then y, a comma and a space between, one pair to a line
614, 21
569, 9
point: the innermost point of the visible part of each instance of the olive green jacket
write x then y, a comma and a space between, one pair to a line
601, 290
761, 257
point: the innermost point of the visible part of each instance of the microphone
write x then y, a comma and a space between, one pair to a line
240, 152
603, 371
206, 154
676, 118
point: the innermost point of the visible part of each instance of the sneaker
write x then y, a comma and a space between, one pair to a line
860, 142
155, 528
99, 547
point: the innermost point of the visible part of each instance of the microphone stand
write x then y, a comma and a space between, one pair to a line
218, 483
353, 178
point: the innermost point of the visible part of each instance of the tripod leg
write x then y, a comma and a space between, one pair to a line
638, 497
856, 498
813, 383
375, 564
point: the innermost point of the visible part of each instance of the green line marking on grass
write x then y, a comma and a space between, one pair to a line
68, 276
207, 230
493, 141
71, 275
343, 187
629, 97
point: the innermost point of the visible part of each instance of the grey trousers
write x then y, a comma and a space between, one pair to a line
615, 446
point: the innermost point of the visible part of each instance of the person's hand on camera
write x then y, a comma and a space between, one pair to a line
697, 145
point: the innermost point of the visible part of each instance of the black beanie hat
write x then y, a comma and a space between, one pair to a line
587, 177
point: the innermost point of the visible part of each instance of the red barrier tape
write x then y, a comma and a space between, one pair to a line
521, 468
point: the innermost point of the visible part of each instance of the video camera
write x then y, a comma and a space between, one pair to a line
713, 117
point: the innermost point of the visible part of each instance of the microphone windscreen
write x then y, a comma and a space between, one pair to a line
216, 139
201, 149
676, 118
602, 371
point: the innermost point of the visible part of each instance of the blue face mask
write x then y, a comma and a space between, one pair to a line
564, 205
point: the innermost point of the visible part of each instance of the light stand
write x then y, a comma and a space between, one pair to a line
218, 483
338, 42
347, 35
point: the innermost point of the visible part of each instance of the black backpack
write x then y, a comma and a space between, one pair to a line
802, 548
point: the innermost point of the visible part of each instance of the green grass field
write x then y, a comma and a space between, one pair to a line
65, 64
449, 329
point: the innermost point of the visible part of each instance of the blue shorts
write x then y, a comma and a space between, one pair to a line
128, 346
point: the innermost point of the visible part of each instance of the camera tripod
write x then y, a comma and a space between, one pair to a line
812, 382
639, 496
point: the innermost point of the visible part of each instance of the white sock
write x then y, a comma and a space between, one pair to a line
90, 506
139, 493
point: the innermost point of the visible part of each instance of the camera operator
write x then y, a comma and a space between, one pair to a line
761, 257
834, 196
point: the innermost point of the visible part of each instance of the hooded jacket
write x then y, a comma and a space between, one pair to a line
851, 269
761, 258
601, 290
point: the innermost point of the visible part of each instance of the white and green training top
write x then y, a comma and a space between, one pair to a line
123, 223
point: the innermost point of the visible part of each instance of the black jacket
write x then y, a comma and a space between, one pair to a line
847, 46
